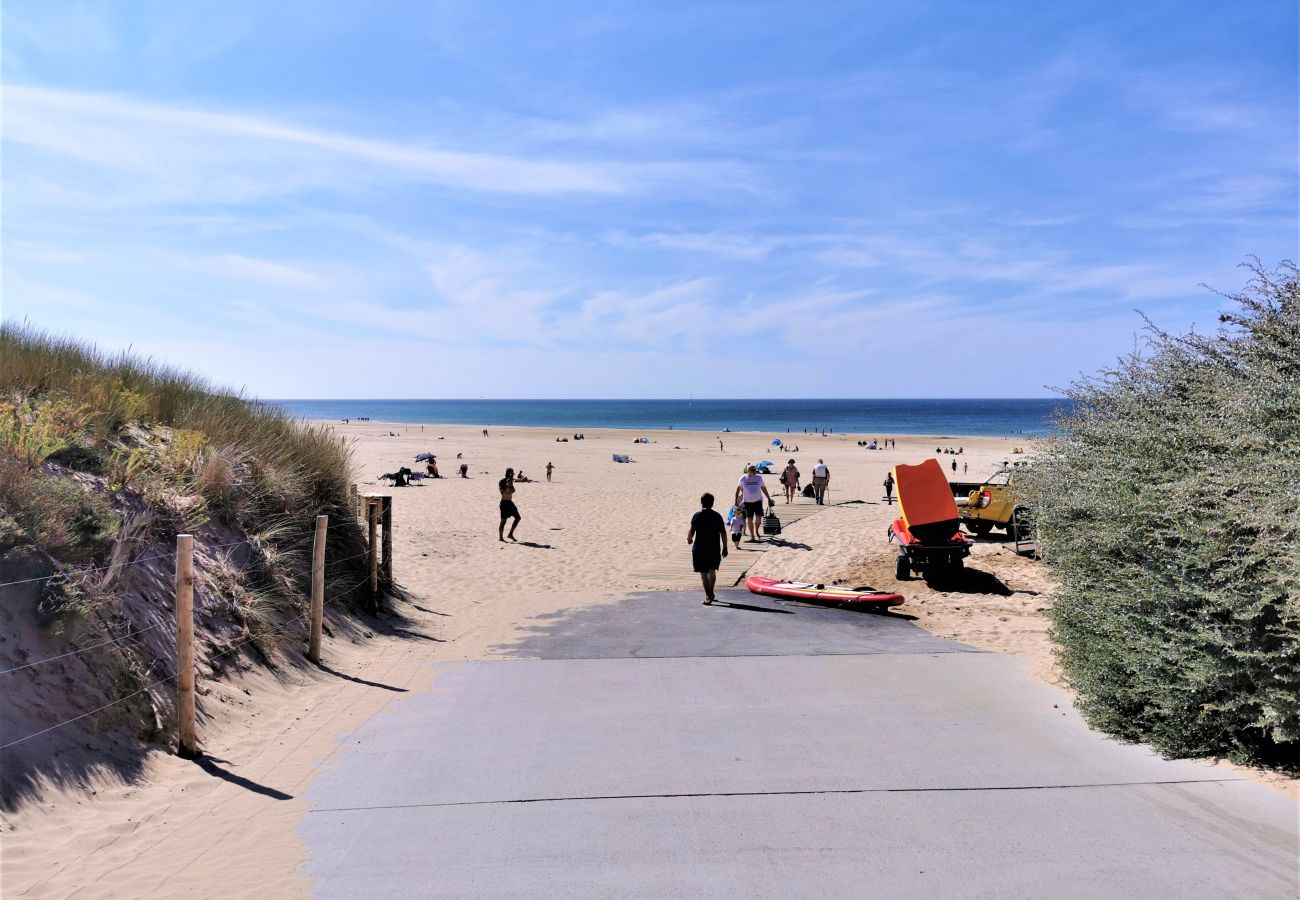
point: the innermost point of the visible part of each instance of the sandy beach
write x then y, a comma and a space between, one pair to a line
601, 527
596, 530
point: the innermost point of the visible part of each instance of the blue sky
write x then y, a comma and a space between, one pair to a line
399, 199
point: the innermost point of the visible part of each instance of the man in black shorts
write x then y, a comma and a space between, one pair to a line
708, 531
508, 508
750, 491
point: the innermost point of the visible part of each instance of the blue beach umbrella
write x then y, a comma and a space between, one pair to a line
776, 443
765, 463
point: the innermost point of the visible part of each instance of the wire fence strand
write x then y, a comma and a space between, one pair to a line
86, 714
77, 573
282, 628
80, 650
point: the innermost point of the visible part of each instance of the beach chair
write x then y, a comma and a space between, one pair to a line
928, 529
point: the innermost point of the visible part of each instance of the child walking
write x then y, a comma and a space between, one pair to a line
737, 522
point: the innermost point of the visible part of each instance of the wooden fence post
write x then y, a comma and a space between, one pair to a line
387, 560
317, 588
187, 742
372, 516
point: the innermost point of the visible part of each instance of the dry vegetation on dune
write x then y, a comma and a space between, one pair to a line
103, 461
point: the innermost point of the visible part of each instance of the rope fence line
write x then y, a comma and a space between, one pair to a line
283, 628
91, 713
184, 588
77, 573
132, 635
80, 650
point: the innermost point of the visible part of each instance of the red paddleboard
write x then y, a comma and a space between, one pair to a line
819, 593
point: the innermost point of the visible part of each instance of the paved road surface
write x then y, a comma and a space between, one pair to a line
656, 747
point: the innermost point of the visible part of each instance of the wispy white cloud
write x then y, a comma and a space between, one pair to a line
48, 30
264, 271
178, 153
30, 294
718, 244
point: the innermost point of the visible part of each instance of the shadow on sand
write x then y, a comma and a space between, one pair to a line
967, 581
356, 680
209, 765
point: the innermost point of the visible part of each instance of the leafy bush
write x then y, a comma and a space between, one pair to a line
1169, 509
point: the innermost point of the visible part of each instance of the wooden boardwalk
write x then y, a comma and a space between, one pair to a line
672, 574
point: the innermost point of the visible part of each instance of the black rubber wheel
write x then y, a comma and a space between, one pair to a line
979, 527
902, 571
1019, 528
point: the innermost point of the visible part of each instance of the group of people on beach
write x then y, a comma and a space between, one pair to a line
708, 532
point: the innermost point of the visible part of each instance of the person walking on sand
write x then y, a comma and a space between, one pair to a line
790, 479
708, 540
889, 487
508, 508
821, 478
751, 490
549, 469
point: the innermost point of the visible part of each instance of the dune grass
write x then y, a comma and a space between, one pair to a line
97, 393
85, 434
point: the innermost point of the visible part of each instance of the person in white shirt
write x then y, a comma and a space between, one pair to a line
751, 490
821, 477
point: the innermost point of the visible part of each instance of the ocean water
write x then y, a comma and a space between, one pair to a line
877, 418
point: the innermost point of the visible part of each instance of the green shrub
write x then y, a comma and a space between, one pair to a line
1168, 508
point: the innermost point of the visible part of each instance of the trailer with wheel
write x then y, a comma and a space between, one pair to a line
928, 532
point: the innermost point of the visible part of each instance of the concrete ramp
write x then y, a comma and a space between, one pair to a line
656, 747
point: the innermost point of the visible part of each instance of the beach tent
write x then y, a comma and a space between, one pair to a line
776, 443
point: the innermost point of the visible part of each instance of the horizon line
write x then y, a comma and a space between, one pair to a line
751, 399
